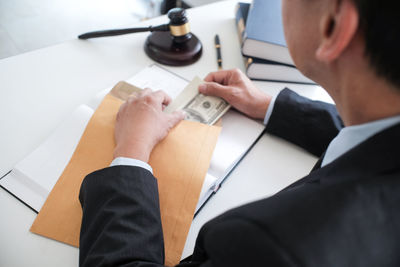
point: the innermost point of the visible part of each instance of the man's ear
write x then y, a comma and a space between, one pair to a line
337, 29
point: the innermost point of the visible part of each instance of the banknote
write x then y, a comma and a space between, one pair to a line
123, 90
198, 107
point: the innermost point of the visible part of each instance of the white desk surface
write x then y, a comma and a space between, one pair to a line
41, 88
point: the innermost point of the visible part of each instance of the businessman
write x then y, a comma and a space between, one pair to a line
344, 213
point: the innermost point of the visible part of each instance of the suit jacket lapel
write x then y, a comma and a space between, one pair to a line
319, 162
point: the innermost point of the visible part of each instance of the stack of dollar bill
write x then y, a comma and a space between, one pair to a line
198, 107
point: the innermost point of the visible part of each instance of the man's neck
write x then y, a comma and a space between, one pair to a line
368, 100
360, 94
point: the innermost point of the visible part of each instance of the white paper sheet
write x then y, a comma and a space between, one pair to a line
157, 78
32, 179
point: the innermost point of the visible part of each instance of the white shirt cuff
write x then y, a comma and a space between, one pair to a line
131, 162
269, 110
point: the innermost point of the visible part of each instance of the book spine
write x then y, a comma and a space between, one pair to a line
289, 70
248, 61
241, 8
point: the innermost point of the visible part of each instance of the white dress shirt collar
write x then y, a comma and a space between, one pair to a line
351, 136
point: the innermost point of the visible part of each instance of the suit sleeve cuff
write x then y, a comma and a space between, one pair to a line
269, 110
131, 162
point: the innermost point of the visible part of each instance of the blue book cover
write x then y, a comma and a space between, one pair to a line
264, 22
261, 31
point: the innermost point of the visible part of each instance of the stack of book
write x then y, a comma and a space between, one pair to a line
263, 43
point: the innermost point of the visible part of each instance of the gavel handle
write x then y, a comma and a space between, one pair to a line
105, 33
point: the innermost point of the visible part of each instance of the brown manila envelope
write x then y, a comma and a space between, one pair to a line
180, 163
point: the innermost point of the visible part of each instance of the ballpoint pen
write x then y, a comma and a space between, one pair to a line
218, 48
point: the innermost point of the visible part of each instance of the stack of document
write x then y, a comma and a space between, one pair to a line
32, 179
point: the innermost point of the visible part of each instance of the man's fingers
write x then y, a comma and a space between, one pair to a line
175, 117
218, 76
215, 89
140, 94
162, 97
158, 99
145, 91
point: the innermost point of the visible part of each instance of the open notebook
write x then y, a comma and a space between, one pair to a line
32, 179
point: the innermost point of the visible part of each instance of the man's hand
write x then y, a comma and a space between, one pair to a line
141, 124
238, 90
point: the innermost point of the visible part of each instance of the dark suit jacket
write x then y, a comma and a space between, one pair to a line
344, 214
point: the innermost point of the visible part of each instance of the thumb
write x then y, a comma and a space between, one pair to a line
175, 117
215, 89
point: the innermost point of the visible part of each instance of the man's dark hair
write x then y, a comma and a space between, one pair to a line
380, 25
